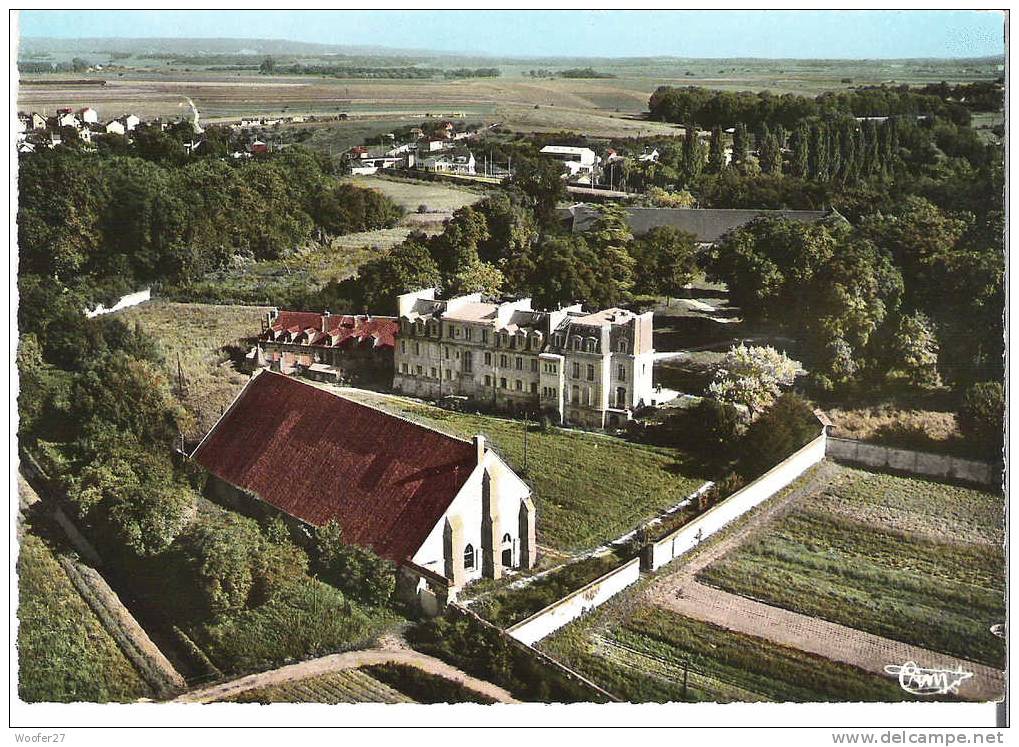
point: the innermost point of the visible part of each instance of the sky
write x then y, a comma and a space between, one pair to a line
794, 34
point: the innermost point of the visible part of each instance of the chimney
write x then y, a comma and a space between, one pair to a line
479, 444
325, 315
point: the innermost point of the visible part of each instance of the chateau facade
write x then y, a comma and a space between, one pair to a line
589, 369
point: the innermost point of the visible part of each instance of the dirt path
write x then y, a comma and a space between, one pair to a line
339, 662
681, 592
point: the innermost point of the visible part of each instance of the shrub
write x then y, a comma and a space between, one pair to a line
781, 430
356, 571
981, 416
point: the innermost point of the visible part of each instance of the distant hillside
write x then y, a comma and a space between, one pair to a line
194, 47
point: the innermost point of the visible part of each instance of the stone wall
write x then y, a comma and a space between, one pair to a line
690, 535
569, 608
924, 464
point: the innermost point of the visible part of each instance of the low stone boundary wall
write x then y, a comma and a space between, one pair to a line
548, 620
690, 535
598, 693
920, 463
125, 302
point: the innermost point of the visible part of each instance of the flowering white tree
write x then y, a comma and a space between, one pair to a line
752, 377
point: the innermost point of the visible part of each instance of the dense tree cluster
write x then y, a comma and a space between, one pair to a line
708, 108
915, 294
146, 216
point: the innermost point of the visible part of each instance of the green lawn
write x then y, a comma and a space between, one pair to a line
64, 653
589, 488
907, 559
642, 657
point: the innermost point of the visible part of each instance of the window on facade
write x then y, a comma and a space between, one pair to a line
621, 396
534, 365
502, 339
488, 359
450, 331
507, 550
484, 335
417, 348
534, 387
502, 383
417, 370
403, 346
468, 362
502, 361
520, 363
622, 345
449, 373
403, 368
446, 350
467, 333
488, 380
469, 557
590, 372
587, 395
520, 385
622, 373
575, 394
576, 370
576, 343
433, 372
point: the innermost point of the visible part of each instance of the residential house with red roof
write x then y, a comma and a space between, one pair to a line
338, 348
447, 510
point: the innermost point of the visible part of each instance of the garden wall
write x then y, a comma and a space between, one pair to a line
913, 462
125, 302
569, 608
765, 486
594, 693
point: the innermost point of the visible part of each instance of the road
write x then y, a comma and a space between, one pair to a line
681, 592
340, 662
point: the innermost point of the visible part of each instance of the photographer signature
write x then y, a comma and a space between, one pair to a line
920, 681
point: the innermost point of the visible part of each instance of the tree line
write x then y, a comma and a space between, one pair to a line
708, 108
133, 216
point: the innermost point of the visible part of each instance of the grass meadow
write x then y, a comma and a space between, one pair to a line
203, 335
589, 488
907, 559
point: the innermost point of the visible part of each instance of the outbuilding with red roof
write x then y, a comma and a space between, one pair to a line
441, 506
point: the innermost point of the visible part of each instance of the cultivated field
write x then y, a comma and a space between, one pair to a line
64, 652
608, 107
438, 197
209, 340
350, 686
590, 488
640, 655
907, 559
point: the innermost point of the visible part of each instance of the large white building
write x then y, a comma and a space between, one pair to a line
580, 163
590, 369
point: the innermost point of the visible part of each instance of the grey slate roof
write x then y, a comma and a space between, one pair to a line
707, 224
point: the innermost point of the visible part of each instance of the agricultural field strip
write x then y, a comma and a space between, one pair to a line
681, 592
341, 662
649, 665
348, 686
115, 618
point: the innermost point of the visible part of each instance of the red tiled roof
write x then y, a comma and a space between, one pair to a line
379, 331
318, 456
